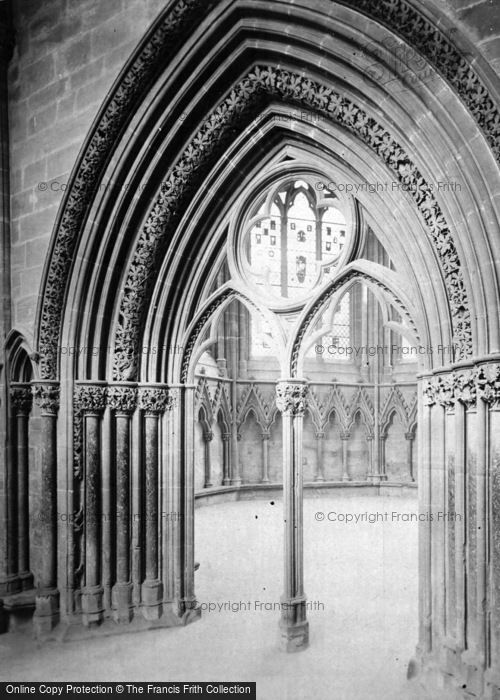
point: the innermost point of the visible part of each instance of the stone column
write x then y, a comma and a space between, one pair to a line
344, 436
320, 453
47, 595
208, 436
265, 457
22, 399
488, 552
153, 402
382, 466
409, 455
424, 554
122, 401
226, 444
290, 400
188, 607
91, 400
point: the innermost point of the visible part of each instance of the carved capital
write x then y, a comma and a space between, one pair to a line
440, 390
265, 435
410, 436
488, 383
21, 399
46, 397
345, 435
465, 388
90, 398
154, 400
291, 398
319, 434
122, 399
208, 435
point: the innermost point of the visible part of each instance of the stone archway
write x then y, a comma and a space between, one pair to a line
125, 398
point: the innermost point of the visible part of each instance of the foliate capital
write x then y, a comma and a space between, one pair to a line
291, 398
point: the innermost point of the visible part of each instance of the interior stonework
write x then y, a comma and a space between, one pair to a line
249, 251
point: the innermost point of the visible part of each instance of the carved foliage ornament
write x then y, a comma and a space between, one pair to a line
154, 400
90, 397
21, 399
291, 398
47, 398
465, 385
216, 131
122, 399
398, 15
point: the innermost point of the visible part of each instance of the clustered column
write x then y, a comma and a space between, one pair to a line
47, 596
291, 401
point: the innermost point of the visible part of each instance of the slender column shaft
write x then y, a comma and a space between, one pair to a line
425, 589
345, 441
122, 400
226, 442
154, 402
409, 456
21, 398
320, 452
294, 626
265, 458
207, 438
47, 598
187, 494
460, 570
481, 532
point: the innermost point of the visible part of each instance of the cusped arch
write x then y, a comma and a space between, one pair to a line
209, 314
374, 276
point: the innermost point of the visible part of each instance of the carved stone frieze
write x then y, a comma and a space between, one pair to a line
90, 397
467, 386
122, 399
291, 398
154, 400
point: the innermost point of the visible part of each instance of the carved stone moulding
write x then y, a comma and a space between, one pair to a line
398, 15
264, 83
291, 398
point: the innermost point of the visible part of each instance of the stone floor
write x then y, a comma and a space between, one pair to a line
361, 581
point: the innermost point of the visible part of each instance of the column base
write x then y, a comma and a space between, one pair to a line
152, 598
92, 606
226, 482
26, 580
294, 637
46, 615
10, 584
346, 477
319, 478
121, 597
208, 486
